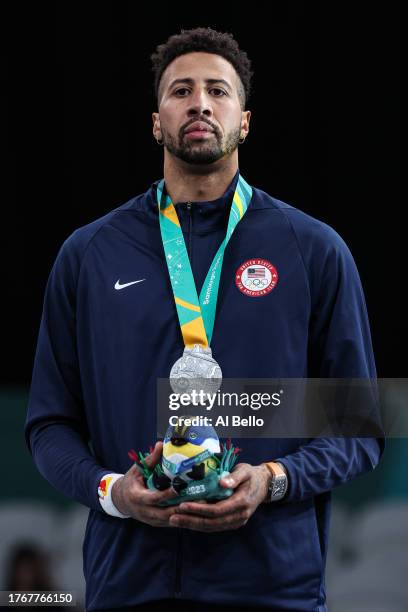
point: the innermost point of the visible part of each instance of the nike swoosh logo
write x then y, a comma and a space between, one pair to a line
119, 286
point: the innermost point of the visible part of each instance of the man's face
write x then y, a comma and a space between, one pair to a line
200, 87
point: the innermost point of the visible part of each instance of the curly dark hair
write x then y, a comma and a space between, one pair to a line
209, 41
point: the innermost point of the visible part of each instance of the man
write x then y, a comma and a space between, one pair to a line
112, 326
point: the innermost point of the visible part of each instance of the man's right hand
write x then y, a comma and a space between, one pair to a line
130, 495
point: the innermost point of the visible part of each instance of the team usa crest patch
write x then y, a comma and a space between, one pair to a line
256, 277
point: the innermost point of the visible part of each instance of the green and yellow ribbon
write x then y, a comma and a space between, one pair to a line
196, 314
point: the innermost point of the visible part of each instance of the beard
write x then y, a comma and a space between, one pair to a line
201, 152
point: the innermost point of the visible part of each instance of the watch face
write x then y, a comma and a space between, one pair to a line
278, 487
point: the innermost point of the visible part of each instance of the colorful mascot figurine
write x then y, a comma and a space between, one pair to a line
193, 463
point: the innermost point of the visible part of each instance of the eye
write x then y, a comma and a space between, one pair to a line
177, 92
220, 91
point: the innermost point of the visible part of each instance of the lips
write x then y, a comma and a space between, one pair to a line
198, 126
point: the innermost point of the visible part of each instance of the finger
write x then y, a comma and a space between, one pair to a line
149, 497
237, 503
157, 516
207, 524
237, 476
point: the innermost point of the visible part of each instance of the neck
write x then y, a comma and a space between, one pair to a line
194, 183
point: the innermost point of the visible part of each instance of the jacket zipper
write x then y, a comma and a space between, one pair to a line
190, 231
179, 555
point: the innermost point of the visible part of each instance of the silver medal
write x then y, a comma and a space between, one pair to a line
196, 370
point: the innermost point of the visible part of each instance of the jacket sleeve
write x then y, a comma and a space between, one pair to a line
56, 430
339, 347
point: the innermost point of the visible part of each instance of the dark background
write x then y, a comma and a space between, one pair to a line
77, 142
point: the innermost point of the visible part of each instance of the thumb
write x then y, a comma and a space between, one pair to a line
231, 481
155, 455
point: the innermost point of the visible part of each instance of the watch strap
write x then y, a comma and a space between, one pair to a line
279, 483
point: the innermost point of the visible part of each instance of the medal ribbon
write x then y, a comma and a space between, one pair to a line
196, 314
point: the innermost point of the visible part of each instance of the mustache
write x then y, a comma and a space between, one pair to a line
213, 127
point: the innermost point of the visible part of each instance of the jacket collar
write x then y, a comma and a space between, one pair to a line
203, 216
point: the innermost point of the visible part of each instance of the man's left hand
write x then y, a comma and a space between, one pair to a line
251, 484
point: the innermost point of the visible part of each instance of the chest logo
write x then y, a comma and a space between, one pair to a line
119, 286
256, 277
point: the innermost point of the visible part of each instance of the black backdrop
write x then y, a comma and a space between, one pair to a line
325, 134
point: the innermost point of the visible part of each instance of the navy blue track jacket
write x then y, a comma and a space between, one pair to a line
100, 352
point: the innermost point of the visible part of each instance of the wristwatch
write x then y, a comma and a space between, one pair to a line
279, 483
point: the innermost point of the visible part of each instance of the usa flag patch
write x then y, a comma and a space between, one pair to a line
256, 277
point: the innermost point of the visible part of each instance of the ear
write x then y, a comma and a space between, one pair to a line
245, 119
156, 126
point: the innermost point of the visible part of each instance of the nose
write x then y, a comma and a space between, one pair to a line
199, 103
